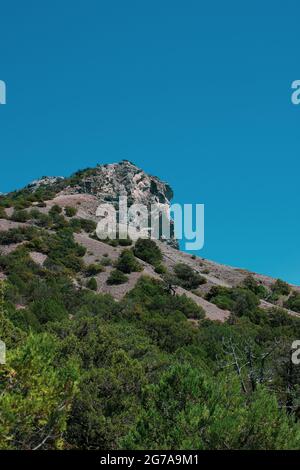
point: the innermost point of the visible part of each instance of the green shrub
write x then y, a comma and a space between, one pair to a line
70, 211
17, 235
3, 214
59, 221
47, 310
89, 226
125, 241
127, 263
160, 269
56, 209
188, 278
238, 300
20, 216
293, 302
148, 251
40, 219
114, 242
92, 284
245, 301
93, 269
280, 288
188, 307
106, 261
252, 284
117, 277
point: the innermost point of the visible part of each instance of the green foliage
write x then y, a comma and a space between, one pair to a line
55, 209
163, 316
108, 404
187, 277
93, 269
127, 263
92, 284
125, 241
117, 277
35, 395
279, 288
293, 302
9, 333
221, 296
41, 219
48, 310
160, 269
245, 301
106, 261
61, 249
3, 214
86, 372
20, 216
147, 250
70, 211
87, 225
187, 400
252, 284
240, 301
17, 235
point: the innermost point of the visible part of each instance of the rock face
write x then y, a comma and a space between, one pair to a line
44, 181
108, 182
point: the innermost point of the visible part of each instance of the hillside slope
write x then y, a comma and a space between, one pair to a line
81, 194
119, 345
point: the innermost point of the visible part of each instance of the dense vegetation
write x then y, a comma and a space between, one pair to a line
137, 374
147, 372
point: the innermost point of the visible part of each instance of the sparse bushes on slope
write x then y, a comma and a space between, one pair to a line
117, 277
239, 301
70, 211
148, 251
20, 216
187, 277
17, 235
93, 269
92, 284
257, 288
3, 214
56, 209
88, 226
293, 302
279, 288
127, 263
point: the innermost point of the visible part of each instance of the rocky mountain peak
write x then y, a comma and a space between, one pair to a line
108, 182
44, 181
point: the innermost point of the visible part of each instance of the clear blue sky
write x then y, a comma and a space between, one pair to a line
195, 92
